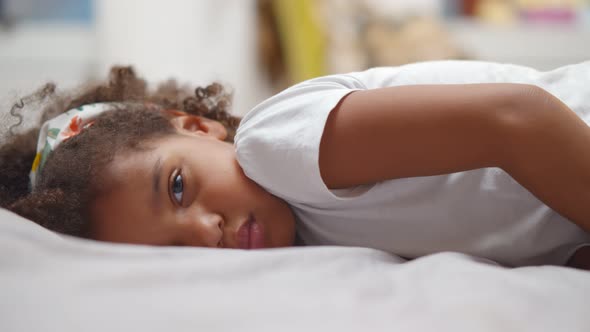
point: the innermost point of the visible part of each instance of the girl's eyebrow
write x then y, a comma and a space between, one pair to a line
156, 179
156, 175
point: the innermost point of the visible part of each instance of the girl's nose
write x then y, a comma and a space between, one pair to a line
205, 230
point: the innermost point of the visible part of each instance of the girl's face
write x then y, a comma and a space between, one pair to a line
189, 190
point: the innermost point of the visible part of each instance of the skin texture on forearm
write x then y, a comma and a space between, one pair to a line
416, 130
548, 152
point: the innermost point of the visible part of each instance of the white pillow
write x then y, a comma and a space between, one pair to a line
55, 283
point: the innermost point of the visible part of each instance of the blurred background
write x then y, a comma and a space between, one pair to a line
258, 47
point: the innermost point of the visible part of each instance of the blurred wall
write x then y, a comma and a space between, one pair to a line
33, 54
197, 41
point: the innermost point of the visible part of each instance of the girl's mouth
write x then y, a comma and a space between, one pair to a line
251, 234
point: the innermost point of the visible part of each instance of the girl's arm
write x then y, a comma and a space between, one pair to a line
580, 259
422, 130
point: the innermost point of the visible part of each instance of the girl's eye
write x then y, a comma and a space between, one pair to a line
177, 188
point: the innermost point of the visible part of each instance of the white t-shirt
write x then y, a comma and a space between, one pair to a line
482, 212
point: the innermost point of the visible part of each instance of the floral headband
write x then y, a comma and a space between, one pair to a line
71, 123
63, 127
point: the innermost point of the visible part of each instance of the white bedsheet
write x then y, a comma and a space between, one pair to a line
52, 283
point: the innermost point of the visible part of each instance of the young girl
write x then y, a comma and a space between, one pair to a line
486, 159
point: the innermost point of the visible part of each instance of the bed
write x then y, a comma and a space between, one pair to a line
56, 283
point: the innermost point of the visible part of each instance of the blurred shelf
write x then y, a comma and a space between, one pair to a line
541, 46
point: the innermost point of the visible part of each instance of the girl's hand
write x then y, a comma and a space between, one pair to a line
580, 259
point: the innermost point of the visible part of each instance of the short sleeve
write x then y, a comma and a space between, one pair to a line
277, 143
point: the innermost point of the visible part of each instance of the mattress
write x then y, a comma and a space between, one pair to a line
50, 282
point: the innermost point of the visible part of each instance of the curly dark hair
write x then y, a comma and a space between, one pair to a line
71, 178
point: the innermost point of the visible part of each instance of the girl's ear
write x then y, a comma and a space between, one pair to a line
198, 125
